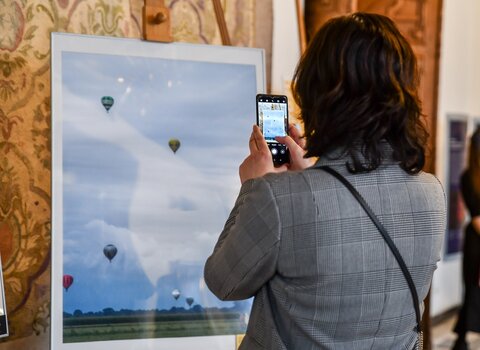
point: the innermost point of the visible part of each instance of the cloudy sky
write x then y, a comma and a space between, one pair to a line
123, 185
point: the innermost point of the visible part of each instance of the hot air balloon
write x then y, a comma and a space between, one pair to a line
189, 301
107, 102
174, 145
67, 281
176, 294
110, 251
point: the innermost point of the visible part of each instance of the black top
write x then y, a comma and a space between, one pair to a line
469, 317
472, 199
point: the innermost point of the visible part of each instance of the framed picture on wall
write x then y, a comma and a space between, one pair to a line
3, 306
147, 140
457, 149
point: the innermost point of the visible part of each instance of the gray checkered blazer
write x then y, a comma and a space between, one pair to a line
321, 273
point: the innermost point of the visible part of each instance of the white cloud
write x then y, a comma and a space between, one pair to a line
158, 232
86, 247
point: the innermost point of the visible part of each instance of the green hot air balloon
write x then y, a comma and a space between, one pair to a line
174, 145
107, 102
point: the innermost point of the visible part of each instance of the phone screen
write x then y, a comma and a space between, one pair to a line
272, 118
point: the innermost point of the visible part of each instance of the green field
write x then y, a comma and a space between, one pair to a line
87, 329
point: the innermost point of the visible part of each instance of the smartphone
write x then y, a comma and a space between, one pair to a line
272, 119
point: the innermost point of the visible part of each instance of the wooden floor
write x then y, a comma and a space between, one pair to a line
443, 337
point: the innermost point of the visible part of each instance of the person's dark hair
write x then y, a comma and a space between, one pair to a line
474, 160
356, 86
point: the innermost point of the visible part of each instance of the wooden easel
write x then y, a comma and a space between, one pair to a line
301, 27
157, 22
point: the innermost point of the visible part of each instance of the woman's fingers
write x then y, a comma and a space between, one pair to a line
252, 144
295, 134
259, 162
260, 142
297, 153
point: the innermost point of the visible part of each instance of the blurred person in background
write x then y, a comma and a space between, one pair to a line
469, 316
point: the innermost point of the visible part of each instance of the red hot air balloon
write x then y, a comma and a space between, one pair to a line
67, 281
110, 251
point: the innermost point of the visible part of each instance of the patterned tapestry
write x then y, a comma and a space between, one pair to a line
25, 122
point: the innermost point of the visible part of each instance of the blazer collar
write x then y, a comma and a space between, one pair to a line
339, 158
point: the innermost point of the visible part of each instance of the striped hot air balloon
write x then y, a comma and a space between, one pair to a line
107, 102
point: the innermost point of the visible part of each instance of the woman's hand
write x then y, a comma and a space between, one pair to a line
259, 162
296, 147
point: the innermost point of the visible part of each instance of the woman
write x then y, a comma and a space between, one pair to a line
469, 317
321, 273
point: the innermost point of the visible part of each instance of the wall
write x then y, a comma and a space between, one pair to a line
286, 44
285, 51
459, 89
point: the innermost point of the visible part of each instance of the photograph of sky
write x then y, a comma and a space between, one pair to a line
123, 184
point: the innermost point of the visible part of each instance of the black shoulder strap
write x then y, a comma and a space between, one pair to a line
387, 238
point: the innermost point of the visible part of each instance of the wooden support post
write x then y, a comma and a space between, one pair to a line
222, 25
156, 21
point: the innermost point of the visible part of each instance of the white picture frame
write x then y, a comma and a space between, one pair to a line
146, 143
4, 332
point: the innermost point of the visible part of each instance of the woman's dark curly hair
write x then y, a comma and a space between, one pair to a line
356, 86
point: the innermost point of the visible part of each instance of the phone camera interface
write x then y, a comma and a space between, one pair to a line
272, 112
273, 120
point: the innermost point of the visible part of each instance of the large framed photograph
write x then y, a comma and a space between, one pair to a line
457, 153
147, 140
